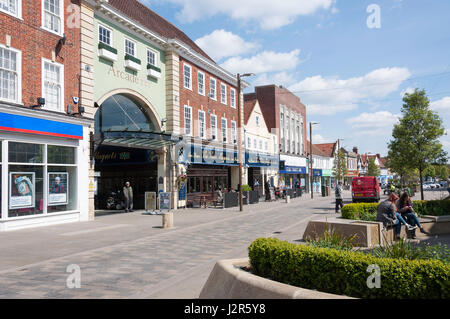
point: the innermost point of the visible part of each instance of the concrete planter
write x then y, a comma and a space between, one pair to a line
228, 281
107, 55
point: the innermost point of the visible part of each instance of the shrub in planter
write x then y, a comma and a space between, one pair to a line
360, 211
345, 272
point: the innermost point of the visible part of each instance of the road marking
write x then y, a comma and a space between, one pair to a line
94, 230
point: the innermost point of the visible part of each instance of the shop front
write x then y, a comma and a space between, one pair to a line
294, 170
317, 180
44, 160
209, 168
261, 167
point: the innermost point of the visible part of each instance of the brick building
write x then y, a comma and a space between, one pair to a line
42, 135
285, 115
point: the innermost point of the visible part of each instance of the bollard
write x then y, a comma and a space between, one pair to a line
288, 199
167, 220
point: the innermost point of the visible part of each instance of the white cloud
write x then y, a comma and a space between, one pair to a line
331, 95
266, 61
282, 78
374, 124
268, 14
318, 139
221, 44
408, 90
442, 105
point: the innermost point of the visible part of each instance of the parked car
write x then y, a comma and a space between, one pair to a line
366, 189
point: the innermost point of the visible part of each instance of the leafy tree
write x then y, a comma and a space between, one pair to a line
442, 172
373, 169
416, 136
340, 166
429, 172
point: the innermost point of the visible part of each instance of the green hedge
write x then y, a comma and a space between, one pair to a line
368, 212
345, 272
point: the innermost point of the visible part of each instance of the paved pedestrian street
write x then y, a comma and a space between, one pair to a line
130, 256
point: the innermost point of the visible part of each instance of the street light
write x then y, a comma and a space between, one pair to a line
310, 157
339, 158
239, 76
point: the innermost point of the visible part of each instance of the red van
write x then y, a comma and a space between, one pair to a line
366, 189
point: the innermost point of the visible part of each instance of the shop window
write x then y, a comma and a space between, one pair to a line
1, 162
25, 153
61, 193
60, 155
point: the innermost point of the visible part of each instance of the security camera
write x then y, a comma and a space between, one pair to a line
76, 100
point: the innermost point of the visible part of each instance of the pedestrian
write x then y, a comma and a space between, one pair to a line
339, 199
267, 189
388, 215
406, 208
128, 196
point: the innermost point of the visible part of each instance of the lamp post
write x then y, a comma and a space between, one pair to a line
339, 159
310, 157
239, 76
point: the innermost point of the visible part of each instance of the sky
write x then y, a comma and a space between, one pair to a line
349, 61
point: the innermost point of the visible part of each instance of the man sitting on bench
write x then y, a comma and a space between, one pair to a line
388, 215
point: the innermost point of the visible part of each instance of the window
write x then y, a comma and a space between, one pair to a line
53, 15
10, 6
266, 146
212, 89
130, 47
257, 120
255, 144
202, 124
233, 132
104, 35
249, 142
260, 144
187, 77
53, 85
201, 83
224, 130
187, 120
282, 131
214, 127
10, 63
233, 97
151, 57
223, 93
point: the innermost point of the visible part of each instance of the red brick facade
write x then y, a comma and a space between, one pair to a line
270, 98
35, 43
210, 106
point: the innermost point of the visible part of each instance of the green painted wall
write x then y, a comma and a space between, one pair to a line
109, 76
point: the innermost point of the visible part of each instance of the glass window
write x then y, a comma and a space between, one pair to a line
233, 132
223, 93
213, 127
151, 57
130, 47
233, 97
61, 192
249, 142
187, 120
212, 89
9, 76
202, 124
25, 153
52, 15
9, 6
201, 83
187, 77
26, 190
104, 35
52, 86
224, 130
60, 155
197, 184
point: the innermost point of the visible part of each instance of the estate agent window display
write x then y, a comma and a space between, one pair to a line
41, 179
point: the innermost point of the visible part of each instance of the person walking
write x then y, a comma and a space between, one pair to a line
339, 199
388, 215
128, 196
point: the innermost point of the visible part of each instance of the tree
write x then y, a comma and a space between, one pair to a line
340, 166
442, 172
373, 169
429, 172
416, 136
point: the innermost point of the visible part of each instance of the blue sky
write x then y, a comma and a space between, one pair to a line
350, 77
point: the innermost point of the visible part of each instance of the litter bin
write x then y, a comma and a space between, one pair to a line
324, 191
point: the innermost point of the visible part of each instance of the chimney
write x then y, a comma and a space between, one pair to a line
355, 150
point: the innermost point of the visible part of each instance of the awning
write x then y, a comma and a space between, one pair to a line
143, 140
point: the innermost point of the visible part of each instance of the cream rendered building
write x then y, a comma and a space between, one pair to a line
261, 156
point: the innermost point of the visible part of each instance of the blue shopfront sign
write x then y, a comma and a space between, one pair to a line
201, 154
255, 159
317, 172
294, 170
31, 125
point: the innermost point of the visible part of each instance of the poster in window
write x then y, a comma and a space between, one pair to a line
58, 189
21, 190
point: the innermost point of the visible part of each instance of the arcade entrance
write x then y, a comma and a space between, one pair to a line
127, 147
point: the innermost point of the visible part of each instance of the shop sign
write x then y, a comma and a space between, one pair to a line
294, 170
317, 172
253, 159
164, 201
21, 190
31, 125
58, 189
